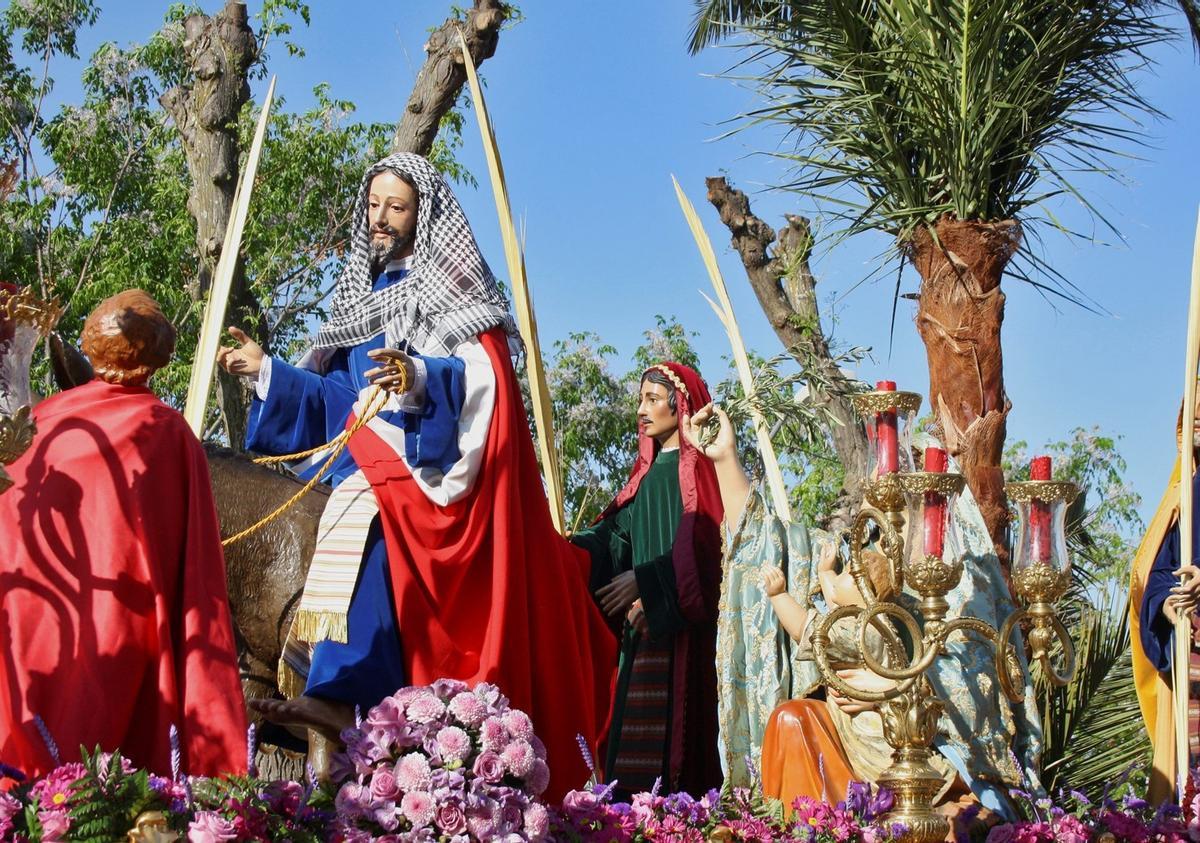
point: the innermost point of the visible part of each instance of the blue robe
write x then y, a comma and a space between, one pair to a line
1158, 633
304, 409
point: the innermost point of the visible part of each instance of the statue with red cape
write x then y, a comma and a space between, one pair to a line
113, 605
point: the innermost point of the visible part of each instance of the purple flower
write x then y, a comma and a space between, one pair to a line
539, 777
489, 767
858, 796
537, 822
447, 688
880, 804
9, 808
583, 803
353, 800
210, 827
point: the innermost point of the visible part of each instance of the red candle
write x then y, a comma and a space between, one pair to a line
935, 506
887, 454
1039, 513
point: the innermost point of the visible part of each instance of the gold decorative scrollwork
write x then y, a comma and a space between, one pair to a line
1040, 583
1046, 491
16, 435
22, 305
880, 401
944, 483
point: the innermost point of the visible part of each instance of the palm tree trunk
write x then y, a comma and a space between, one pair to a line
959, 316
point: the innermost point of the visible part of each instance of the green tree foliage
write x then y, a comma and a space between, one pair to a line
100, 202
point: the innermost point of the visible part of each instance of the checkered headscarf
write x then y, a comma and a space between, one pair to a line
449, 294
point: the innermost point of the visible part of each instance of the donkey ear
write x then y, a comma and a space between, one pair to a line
71, 367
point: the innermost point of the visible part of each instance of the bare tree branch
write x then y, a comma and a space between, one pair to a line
786, 290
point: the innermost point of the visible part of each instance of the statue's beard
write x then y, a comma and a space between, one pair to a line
388, 249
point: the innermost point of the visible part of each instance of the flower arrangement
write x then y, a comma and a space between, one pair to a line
443, 762
1073, 818
450, 764
590, 816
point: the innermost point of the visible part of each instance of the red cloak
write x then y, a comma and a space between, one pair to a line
695, 764
486, 589
114, 615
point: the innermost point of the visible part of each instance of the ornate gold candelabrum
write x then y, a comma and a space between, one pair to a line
928, 562
25, 319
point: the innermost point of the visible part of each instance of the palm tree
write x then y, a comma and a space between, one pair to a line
949, 125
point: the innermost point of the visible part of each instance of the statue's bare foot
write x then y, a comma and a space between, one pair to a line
326, 717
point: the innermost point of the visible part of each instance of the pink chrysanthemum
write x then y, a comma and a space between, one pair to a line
454, 744
413, 773
418, 807
518, 724
518, 758
537, 822
493, 735
468, 709
425, 708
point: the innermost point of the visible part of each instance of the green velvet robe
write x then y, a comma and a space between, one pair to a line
639, 537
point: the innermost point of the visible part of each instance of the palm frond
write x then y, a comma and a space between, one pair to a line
718, 19
902, 111
1191, 13
1092, 727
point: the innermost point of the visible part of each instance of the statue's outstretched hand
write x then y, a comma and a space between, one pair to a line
773, 581
396, 372
716, 448
245, 360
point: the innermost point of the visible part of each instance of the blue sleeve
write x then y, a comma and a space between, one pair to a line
431, 436
302, 410
1158, 633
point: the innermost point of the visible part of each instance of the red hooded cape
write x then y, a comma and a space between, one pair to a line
486, 590
114, 614
695, 764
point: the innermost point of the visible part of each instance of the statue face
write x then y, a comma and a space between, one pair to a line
392, 217
655, 415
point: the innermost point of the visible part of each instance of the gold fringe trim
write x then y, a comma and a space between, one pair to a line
314, 625
291, 683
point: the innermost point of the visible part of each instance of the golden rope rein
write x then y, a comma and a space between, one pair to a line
338, 443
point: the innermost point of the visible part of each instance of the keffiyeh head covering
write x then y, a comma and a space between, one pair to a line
449, 294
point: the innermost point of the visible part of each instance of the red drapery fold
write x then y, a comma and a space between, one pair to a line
487, 590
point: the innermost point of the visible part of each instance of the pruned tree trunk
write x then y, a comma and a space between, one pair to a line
219, 50
961, 263
442, 76
786, 290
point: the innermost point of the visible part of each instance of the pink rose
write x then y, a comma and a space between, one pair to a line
451, 819
418, 807
413, 773
468, 709
383, 785
518, 724
537, 822
518, 758
210, 827
489, 767
493, 735
453, 744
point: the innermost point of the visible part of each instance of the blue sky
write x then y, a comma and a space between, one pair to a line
595, 105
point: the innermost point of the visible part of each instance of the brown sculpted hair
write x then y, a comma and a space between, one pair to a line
128, 338
879, 572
